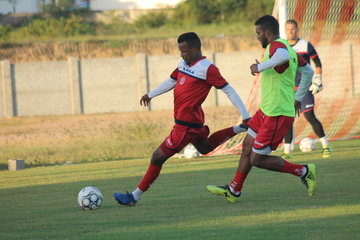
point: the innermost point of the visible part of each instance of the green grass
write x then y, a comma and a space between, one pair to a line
118, 39
40, 203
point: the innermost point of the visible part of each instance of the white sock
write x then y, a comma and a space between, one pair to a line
324, 141
287, 148
233, 191
304, 172
237, 129
137, 194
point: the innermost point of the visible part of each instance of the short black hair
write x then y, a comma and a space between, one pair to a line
292, 21
268, 22
191, 39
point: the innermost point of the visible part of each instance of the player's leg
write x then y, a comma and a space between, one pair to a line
318, 129
307, 108
267, 140
287, 143
171, 145
152, 173
232, 192
207, 145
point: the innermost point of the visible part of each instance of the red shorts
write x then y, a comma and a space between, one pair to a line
180, 136
268, 131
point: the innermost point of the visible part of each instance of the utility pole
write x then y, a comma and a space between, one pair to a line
13, 2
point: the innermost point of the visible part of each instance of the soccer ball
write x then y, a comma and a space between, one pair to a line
307, 145
90, 198
190, 151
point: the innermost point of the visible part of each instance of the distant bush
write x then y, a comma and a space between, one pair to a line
115, 25
53, 28
220, 11
4, 32
151, 20
60, 20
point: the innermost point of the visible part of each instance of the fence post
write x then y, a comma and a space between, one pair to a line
75, 86
142, 70
6, 88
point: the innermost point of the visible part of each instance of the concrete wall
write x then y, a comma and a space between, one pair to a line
117, 84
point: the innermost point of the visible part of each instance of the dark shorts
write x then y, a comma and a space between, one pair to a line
308, 102
268, 131
180, 136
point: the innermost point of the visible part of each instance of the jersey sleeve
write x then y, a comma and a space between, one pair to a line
273, 47
311, 51
174, 74
301, 61
214, 78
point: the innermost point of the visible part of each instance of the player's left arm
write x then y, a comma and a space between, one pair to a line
316, 85
215, 78
166, 86
280, 56
236, 101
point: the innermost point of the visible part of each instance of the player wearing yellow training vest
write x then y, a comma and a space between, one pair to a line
278, 94
277, 111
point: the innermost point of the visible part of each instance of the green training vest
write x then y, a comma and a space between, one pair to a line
277, 90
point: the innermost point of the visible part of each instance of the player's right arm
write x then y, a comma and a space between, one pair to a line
166, 86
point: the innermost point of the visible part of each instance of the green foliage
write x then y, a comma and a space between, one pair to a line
59, 20
151, 20
57, 9
217, 11
4, 32
53, 28
115, 25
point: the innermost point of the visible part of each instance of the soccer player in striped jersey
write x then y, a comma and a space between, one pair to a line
307, 51
191, 82
279, 105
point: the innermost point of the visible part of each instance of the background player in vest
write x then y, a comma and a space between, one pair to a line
191, 81
307, 51
270, 123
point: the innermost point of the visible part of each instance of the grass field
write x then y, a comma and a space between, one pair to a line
50, 140
40, 202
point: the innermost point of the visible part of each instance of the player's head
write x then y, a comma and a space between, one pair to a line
291, 30
266, 27
189, 46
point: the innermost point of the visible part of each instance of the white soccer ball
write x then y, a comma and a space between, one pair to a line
307, 145
90, 198
191, 152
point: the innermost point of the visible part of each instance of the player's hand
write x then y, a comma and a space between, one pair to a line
244, 124
145, 100
245, 121
316, 85
254, 68
297, 108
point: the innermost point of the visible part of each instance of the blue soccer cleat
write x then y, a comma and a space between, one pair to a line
125, 199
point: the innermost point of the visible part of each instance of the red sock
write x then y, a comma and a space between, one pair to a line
219, 137
295, 169
238, 181
149, 177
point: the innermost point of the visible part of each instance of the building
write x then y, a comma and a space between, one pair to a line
33, 6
